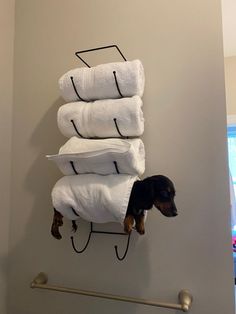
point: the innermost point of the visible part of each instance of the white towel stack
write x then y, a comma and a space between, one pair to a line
100, 163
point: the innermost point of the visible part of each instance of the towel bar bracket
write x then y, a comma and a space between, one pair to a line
185, 298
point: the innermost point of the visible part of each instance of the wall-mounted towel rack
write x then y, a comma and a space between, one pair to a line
185, 298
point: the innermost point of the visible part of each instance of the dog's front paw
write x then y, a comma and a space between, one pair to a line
127, 229
140, 224
128, 224
140, 230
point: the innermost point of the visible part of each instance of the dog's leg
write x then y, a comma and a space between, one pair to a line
128, 223
57, 222
74, 226
139, 224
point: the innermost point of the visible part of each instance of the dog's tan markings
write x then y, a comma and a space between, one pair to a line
139, 220
128, 223
165, 206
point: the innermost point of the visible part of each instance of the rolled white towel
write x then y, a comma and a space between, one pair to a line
95, 198
102, 118
101, 81
104, 157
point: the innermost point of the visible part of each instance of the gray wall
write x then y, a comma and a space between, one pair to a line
180, 46
6, 97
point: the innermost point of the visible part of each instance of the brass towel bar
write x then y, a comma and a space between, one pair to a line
185, 298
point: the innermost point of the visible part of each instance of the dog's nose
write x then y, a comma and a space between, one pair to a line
174, 213
174, 209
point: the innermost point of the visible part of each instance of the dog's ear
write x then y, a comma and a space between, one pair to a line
144, 193
151, 187
160, 184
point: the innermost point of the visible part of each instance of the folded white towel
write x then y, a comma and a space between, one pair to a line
102, 118
104, 157
93, 197
110, 80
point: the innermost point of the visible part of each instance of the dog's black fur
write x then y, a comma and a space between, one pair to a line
157, 190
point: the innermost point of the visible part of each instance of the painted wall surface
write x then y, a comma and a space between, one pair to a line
180, 46
230, 80
6, 97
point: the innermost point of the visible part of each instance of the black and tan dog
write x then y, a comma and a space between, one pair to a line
157, 190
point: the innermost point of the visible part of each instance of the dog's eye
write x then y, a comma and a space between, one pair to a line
165, 194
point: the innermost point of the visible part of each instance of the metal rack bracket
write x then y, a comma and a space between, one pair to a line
95, 49
92, 231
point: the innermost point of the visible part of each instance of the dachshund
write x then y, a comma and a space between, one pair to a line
157, 190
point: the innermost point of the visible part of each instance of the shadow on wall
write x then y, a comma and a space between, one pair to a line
96, 269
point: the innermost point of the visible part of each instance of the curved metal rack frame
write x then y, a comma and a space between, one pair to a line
92, 231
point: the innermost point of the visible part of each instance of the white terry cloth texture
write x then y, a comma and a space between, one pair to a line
93, 197
106, 156
99, 82
100, 119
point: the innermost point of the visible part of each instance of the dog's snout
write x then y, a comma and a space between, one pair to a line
174, 210
168, 209
170, 213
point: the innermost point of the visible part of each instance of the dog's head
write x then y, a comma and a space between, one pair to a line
163, 193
